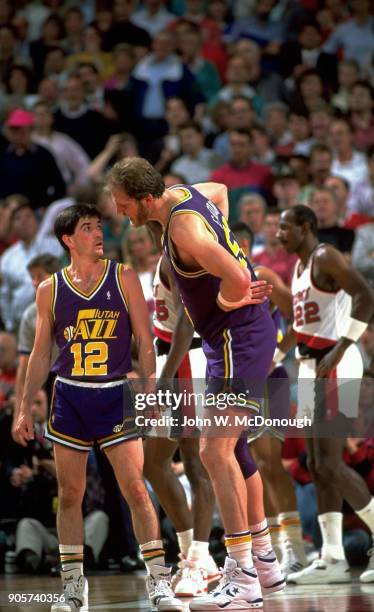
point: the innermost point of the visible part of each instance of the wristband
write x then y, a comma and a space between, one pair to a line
279, 355
353, 329
231, 305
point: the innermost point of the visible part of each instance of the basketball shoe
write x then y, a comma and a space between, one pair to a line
239, 589
75, 596
159, 590
293, 558
269, 573
322, 571
368, 574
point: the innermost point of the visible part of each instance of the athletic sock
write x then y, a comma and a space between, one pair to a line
185, 540
261, 542
71, 557
366, 514
275, 531
198, 552
239, 547
332, 535
153, 554
291, 530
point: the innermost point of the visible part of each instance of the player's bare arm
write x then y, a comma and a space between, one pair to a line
281, 295
39, 362
139, 318
183, 333
216, 193
331, 267
198, 249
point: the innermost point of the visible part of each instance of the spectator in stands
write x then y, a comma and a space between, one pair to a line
51, 36
173, 179
39, 268
273, 255
93, 88
268, 85
114, 227
347, 162
355, 38
8, 366
326, 207
153, 17
92, 52
55, 65
71, 159
196, 162
74, 118
241, 115
137, 253
361, 199
18, 88
48, 91
286, 189
320, 162
74, 23
28, 168
299, 126
258, 26
166, 149
124, 61
16, 289
205, 72
320, 119
303, 54
310, 91
237, 76
363, 251
263, 153
299, 165
251, 209
8, 49
117, 147
341, 188
276, 123
159, 76
362, 115
124, 29
348, 74
241, 174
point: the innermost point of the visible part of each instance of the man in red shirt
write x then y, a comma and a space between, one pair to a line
274, 256
240, 174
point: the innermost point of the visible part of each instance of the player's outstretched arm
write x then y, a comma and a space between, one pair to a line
39, 363
183, 332
332, 263
216, 193
139, 318
281, 295
193, 240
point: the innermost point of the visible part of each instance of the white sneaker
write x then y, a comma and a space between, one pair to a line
368, 574
269, 573
213, 572
159, 590
191, 581
293, 558
75, 596
239, 589
322, 571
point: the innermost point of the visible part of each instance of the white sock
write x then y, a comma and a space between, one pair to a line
261, 541
275, 531
239, 547
185, 540
367, 515
291, 527
198, 551
331, 524
153, 554
71, 557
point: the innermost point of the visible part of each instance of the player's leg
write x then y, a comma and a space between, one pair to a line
127, 460
71, 477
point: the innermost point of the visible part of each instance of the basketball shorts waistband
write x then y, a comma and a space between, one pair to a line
94, 384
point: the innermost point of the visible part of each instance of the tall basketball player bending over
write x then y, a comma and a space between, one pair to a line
92, 308
332, 304
229, 310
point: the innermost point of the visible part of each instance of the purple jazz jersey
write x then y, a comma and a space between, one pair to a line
239, 345
92, 331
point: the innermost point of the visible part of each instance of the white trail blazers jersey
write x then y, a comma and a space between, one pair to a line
319, 315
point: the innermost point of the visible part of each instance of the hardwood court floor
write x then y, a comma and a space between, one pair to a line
126, 592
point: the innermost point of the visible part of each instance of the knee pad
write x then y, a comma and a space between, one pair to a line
244, 458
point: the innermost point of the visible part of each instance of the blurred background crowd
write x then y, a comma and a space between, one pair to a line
273, 98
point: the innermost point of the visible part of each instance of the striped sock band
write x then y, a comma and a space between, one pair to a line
291, 527
261, 542
239, 547
71, 557
153, 553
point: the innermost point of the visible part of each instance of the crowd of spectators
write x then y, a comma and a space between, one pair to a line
274, 98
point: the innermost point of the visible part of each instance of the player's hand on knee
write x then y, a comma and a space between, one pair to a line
24, 428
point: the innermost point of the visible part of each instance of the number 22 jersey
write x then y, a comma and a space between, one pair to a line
92, 330
319, 315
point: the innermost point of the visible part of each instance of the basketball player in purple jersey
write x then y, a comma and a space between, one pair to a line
229, 310
92, 309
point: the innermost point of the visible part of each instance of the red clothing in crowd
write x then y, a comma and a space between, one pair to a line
280, 262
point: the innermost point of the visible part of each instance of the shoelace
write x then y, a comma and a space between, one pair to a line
226, 576
72, 590
163, 589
